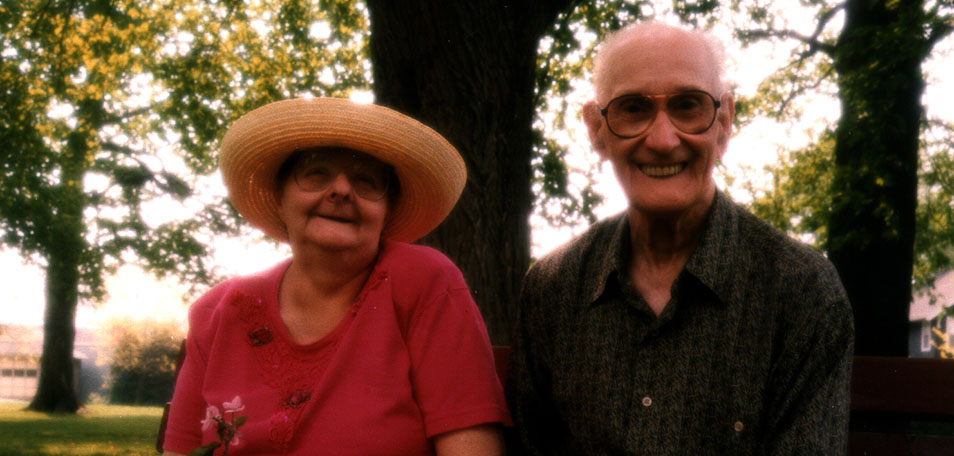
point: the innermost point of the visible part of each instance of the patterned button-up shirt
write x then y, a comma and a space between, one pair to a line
752, 355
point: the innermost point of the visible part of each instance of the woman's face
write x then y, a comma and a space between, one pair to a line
335, 199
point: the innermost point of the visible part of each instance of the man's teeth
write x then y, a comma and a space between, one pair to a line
662, 171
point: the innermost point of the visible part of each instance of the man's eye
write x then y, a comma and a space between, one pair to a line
685, 103
635, 106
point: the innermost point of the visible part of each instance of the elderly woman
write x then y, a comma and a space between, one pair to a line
360, 343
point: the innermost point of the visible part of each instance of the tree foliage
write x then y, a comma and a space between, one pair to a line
934, 242
799, 201
142, 369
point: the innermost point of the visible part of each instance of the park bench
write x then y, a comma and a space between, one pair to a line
902, 406
899, 406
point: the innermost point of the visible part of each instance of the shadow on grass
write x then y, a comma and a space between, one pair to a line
97, 430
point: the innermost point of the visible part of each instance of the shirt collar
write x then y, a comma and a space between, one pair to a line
609, 257
716, 258
712, 263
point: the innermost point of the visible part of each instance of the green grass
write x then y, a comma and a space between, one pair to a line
96, 430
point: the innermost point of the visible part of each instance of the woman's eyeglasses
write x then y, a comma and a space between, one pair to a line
368, 176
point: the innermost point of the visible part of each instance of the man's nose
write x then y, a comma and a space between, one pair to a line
662, 134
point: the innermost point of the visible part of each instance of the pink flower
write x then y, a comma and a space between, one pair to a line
236, 439
226, 425
212, 417
235, 405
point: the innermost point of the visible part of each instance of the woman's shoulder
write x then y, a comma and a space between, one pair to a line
256, 284
398, 256
413, 265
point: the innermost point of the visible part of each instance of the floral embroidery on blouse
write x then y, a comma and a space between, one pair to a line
292, 372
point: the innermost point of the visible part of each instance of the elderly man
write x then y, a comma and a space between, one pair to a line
684, 325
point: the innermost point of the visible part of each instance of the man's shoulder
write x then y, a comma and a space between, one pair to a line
780, 259
766, 242
576, 253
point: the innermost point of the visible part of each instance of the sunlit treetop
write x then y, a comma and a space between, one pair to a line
110, 106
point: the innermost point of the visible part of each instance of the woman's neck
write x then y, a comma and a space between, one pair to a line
317, 291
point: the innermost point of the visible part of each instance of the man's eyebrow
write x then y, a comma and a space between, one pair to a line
678, 89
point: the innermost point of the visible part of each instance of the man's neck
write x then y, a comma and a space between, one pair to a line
661, 245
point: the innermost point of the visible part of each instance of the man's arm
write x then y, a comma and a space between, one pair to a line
810, 394
536, 423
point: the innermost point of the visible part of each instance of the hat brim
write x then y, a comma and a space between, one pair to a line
432, 174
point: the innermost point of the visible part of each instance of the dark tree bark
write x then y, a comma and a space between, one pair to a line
56, 389
467, 70
871, 242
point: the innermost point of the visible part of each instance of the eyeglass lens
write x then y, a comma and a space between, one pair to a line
368, 177
691, 112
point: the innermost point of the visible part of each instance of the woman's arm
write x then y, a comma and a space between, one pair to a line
485, 439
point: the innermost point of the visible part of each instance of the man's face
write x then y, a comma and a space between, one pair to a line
663, 171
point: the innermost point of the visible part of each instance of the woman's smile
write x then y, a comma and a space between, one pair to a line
336, 216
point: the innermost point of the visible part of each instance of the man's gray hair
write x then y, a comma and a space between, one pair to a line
712, 45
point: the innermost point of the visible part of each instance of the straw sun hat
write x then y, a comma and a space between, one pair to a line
431, 172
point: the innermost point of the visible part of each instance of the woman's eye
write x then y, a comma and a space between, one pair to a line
318, 171
367, 179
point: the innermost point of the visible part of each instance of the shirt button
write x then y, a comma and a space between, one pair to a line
738, 426
647, 401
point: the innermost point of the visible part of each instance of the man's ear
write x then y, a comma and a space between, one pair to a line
594, 123
725, 118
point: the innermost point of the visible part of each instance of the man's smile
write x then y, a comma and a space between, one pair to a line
662, 170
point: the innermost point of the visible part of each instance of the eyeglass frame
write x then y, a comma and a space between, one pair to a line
294, 165
656, 106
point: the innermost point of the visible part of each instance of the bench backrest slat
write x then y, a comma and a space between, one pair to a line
908, 386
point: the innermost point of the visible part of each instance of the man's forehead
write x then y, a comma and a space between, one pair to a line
654, 63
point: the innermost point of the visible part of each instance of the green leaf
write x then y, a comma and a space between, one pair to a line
205, 450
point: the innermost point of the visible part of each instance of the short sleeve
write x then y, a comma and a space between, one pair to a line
183, 431
452, 366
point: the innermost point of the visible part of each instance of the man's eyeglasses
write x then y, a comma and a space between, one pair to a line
369, 177
691, 112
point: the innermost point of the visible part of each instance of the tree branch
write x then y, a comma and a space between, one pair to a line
813, 42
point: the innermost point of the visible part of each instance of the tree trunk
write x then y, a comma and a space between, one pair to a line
871, 232
467, 70
56, 391
64, 244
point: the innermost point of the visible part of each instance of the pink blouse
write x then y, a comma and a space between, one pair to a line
411, 361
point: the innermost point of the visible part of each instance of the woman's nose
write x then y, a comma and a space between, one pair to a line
340, 187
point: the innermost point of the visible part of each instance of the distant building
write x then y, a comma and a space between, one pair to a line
20, 351
925, 315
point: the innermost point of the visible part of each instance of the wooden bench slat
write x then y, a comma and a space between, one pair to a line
909, 386
876, 444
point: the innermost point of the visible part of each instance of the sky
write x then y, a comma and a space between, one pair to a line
136, 295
